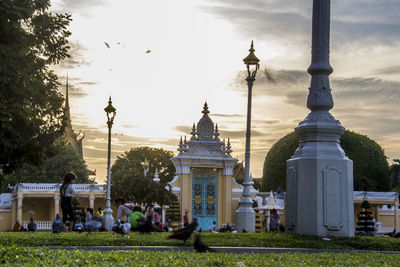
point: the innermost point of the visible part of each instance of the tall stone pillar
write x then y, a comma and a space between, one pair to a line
91, 201
396, 214
56, 205
227, 195
186, 194
19, 209
13, 212
319, 182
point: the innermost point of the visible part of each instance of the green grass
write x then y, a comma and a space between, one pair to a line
27, 256
276, 240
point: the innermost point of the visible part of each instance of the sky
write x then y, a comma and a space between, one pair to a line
165, 58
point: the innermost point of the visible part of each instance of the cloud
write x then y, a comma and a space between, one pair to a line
226, 115
183, 129
238, 134
76, 59
369, 22
74, 86
79, 6
389, 70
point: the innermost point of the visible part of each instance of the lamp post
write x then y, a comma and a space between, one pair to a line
245, 215
108, 218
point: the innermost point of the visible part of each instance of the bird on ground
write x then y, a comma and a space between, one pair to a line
121, 228
78, 226
92, 225
147, 227
32, 225
199, 246
184, 233
58, 225
244, 231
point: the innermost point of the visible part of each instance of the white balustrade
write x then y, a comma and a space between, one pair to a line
40, 225
55, 187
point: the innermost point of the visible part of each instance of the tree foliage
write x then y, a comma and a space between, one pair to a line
62, 158
395, 175
128, 181
31, 39
370, 166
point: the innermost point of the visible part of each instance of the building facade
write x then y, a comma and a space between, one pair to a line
42, 202
204, 182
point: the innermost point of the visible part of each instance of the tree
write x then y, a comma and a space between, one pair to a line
62, 159
31, 39
128, 180
395, 175
370, 166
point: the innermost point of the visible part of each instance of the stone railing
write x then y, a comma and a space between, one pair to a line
56, 187
41, 225
375, 195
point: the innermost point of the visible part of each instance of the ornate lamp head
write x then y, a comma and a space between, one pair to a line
252, 60
110, 111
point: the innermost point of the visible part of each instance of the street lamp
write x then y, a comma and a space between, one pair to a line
108, 218
245, 215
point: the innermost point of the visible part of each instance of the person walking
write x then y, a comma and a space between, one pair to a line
66, 193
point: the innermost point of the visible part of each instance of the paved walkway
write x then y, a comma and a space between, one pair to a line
221, 249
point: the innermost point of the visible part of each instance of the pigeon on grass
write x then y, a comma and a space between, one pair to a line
121, 228
184, 233
78, 226
58, 225
32, 225
199, 246
92, 226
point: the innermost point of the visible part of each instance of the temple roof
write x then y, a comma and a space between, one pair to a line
71, 137
205, 140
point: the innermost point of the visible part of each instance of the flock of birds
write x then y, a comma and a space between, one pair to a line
124, 228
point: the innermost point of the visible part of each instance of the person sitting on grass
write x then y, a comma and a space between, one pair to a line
123, 208
17, 226
99, 212
136, 217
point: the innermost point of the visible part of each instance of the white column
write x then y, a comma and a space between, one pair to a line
163, 214
396, 215
91, 203
19, 209
13, 211
56, 205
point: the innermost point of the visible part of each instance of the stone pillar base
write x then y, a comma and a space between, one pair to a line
319, 198
245, 216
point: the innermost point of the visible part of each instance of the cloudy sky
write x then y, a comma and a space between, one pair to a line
165, 58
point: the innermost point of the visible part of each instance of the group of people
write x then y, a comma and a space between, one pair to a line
137, 215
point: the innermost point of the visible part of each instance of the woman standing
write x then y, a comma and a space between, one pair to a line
66, 193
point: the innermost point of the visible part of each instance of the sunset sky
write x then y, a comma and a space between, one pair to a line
196, 51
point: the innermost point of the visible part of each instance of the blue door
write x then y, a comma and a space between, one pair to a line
205, 196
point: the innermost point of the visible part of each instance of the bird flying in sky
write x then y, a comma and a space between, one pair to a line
108, 46
268, 76
148, 51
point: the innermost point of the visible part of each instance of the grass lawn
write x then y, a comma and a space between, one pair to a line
276, 240
27, 256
